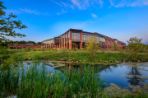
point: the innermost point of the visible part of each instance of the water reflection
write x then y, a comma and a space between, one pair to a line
126, 75
123, 75
135, 77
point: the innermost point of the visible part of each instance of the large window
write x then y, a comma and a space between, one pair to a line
76, 36
100, 39
86, 37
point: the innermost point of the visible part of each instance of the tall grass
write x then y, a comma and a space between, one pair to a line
34, 81
8, 81
37, 82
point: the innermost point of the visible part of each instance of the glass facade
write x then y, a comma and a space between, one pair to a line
76, 36
86, 38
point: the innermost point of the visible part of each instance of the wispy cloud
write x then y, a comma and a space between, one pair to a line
128, 3
77, 4
84, 4
60, 3
66, 5
63, 11
27, 11
94, 15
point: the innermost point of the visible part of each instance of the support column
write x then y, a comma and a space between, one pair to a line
67, 40
70, 40
64, 41
58, 46
81, 40
59, 42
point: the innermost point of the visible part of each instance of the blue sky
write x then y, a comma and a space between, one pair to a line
45, 19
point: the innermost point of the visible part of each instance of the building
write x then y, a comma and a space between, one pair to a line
74, 38
23, 45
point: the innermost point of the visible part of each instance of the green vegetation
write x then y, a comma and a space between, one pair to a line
92, 48
79, 56
135, 46
9, 25
37, 82
34, 81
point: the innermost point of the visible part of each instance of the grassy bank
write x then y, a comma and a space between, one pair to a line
37, 82
79, 56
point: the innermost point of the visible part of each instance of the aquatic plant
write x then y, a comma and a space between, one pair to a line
34, 81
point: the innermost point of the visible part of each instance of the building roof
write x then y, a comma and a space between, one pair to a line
79, 30
48, 39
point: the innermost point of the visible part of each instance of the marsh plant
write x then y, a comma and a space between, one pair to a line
34, 81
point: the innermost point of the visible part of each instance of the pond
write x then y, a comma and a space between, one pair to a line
125, 75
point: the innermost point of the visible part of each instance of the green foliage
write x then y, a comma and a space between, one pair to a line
115, 47
9, 25
36, 82
4, 54
92, 48
1, 9
8, 81
74, 56
135, 45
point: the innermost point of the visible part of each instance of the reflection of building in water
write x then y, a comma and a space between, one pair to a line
135, 77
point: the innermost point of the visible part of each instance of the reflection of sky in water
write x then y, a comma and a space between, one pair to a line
113, 74
26, 66
144, 71
48, 68
119, 74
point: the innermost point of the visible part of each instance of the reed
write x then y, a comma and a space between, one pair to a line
36, 82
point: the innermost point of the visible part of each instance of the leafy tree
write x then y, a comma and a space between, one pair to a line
92, 48
135, 44
134, 47
9, 25
115, 46
134, 40
8, 28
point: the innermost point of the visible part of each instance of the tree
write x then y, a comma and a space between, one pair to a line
134, 40
135, 44
115, 46
9, 25
92, 47
134, 47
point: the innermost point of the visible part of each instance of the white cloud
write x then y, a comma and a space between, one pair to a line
128, 3
76, 3
60, 3
27, 11
84, 4
80, 4
61, 12
94, 15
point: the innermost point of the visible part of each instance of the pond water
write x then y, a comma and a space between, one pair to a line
124, 75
